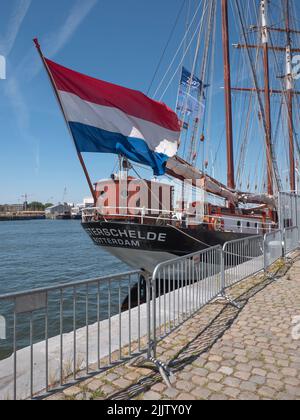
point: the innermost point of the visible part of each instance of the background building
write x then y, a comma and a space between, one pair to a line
11, 208
59, 211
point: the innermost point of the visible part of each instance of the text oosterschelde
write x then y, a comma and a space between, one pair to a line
124, 237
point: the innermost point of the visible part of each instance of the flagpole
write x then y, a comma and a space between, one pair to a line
38, 47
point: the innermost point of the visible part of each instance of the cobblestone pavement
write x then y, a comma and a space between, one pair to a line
223, 353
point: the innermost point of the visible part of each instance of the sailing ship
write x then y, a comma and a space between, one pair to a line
184, 208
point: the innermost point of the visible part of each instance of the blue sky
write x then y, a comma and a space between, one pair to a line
120, 41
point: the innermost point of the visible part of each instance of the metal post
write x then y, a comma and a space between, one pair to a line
154, 316
280, 212
148, 292
284, 242
15, 348
265, 254
223, 285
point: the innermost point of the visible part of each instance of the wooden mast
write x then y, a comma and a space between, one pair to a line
228, 101
38, 47
289, 88
265, 42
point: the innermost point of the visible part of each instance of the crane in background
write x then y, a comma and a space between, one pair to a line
65, 194
24, 198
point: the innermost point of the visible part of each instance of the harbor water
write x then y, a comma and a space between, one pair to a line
42, 253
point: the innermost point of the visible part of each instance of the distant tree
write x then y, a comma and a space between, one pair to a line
36, 206
47, 205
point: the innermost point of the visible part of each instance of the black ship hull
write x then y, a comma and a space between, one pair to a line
144, 246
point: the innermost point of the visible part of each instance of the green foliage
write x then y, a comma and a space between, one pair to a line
36, 206
47, 205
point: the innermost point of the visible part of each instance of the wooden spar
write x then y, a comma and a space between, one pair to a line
265, 43
290, 99
272, 91
272, 48
38, 47
273, 29
228, 101
182, 170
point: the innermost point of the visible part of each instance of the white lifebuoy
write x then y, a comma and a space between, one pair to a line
219, 225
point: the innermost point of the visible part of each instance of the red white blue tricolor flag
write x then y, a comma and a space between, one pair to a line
106, 118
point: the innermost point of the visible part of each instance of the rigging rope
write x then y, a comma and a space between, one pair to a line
166, 48
199, 28
209, 101
179, 48
255, 79
205, 66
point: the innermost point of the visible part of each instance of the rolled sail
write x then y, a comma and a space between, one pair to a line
180, 169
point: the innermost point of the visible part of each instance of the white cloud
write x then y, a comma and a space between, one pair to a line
17, 101
30, 66
15, 21
20, 108
55, 42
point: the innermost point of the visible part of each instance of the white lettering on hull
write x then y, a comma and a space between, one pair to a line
117, 242
125, 235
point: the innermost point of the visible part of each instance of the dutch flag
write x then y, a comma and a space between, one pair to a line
106, 118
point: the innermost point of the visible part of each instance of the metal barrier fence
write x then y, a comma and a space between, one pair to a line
291, 239
242, 258
273, 248
288, 210
56, 335
182, 286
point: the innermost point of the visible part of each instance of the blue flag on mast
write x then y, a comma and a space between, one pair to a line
191, 95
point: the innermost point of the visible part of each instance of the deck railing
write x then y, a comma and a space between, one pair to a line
175, 217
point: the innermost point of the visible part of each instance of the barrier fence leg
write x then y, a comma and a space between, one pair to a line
223, 280
148, 283
140, 359
223, 295
296, 209
285, 245
154, 293
265, 256
266, 261
162, 368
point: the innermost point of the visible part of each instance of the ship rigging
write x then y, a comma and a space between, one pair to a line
252, 132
